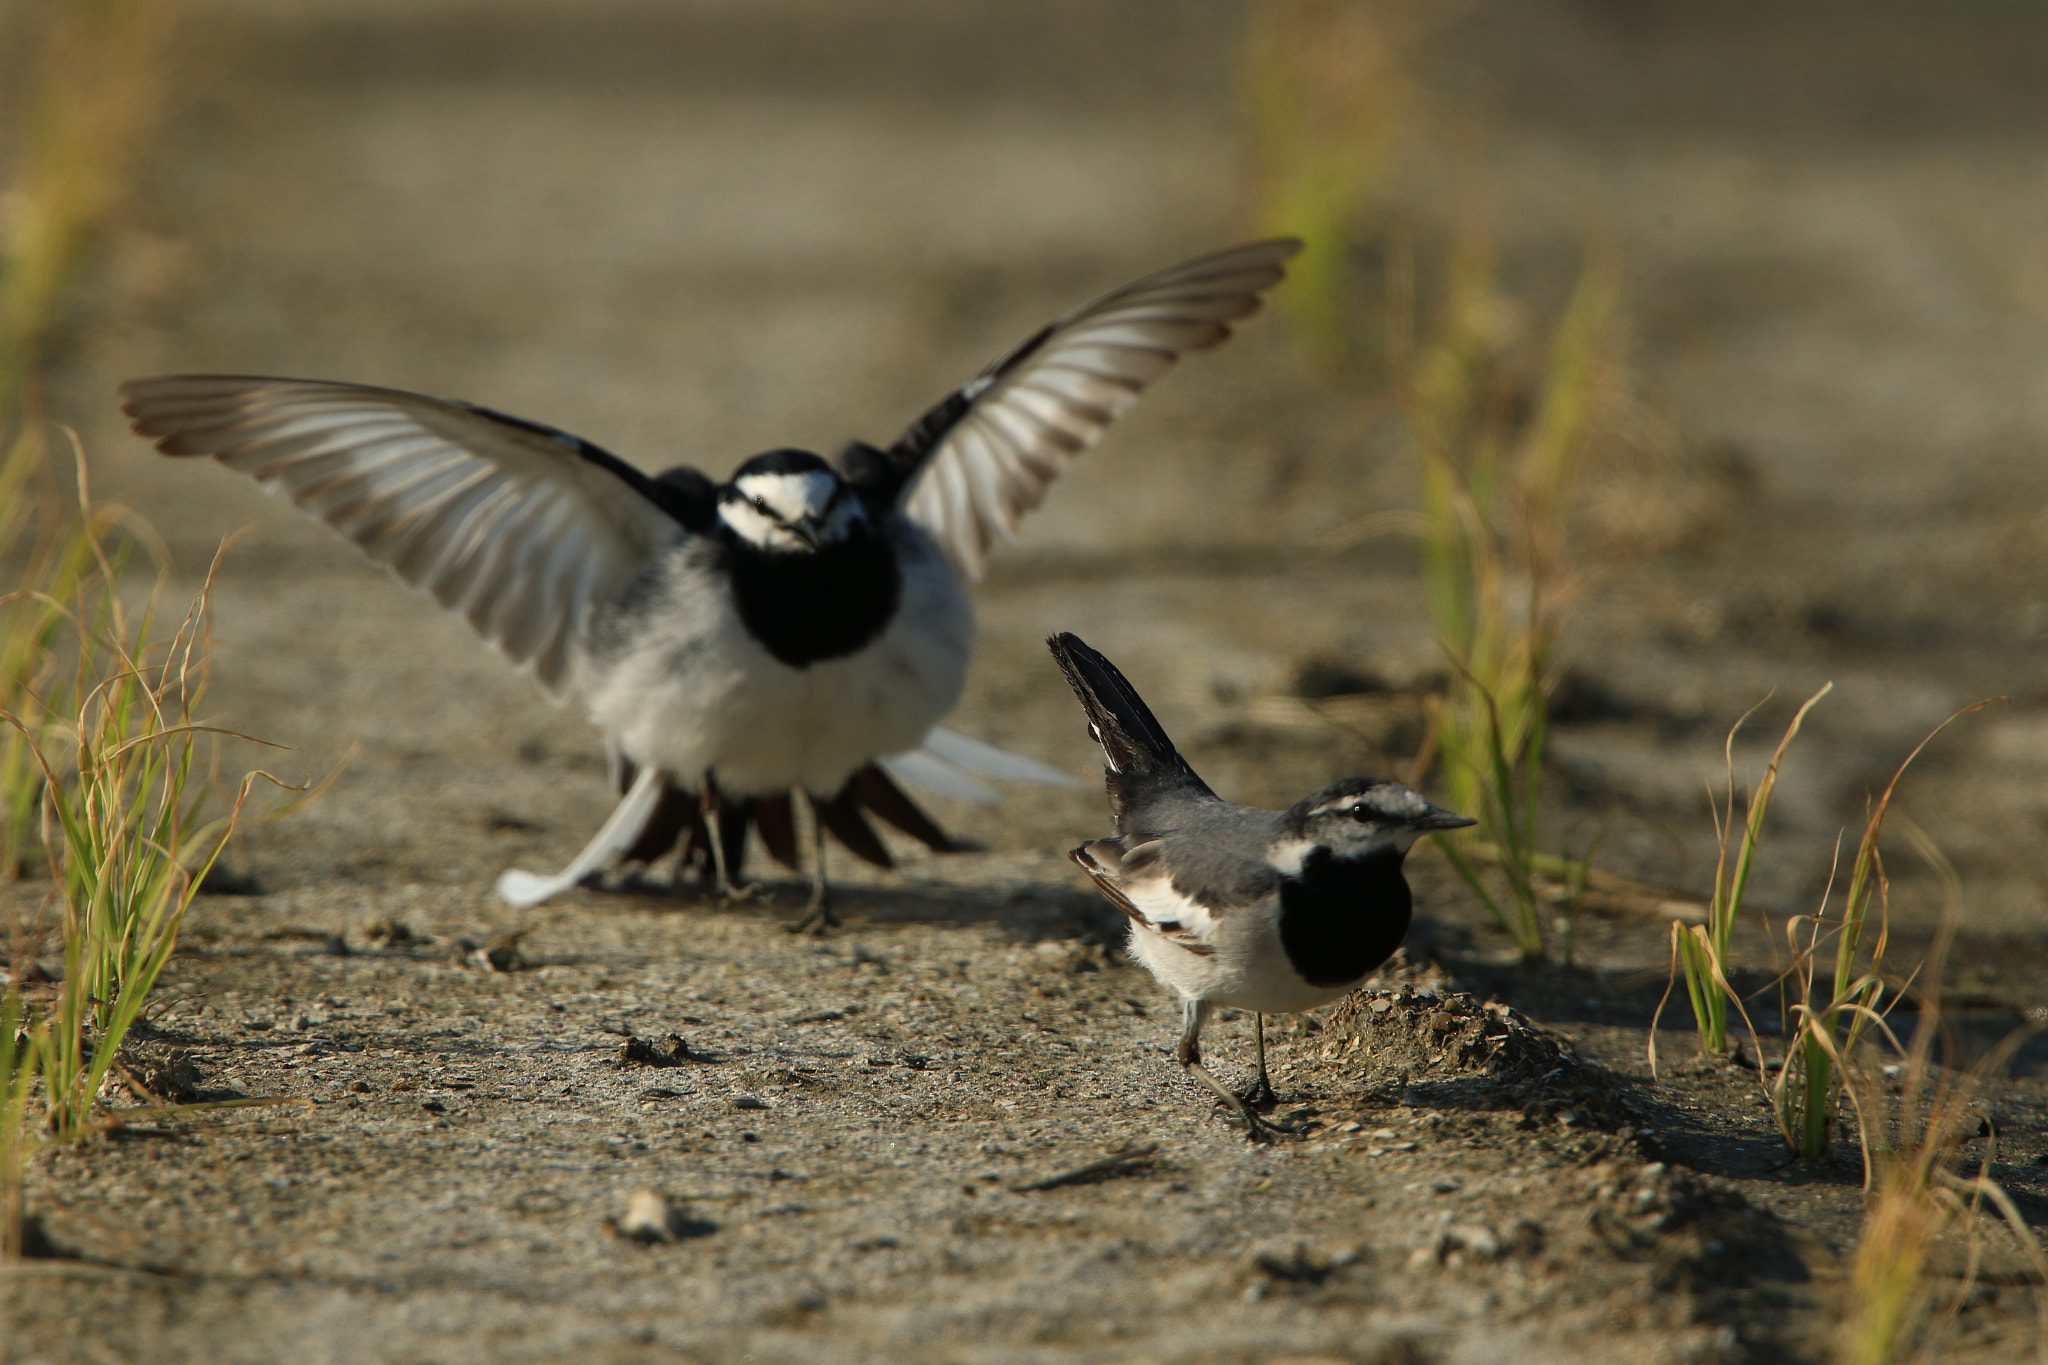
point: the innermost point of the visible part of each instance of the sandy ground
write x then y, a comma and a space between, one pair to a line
693, 235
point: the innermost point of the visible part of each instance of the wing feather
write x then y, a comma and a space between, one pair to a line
518, 527
1135, 879
972, 466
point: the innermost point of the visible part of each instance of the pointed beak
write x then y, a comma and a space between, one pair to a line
808, 530
1439, 818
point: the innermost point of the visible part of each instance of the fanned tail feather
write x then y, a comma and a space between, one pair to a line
678, 820
947, 762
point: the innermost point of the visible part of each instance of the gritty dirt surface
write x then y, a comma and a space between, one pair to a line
693, 234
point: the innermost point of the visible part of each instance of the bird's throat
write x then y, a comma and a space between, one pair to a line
827, 604
1342, 917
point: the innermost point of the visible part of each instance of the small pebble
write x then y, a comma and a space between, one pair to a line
391, 933
648, 1217
749, 1102
1475, 1238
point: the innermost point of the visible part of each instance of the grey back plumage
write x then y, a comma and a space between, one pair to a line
1217, 851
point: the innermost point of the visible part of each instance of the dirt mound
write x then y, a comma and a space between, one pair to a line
1429, 1047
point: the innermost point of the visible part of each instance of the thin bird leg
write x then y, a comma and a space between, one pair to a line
818, 917
1189, 1053
1259, 1094
722, 885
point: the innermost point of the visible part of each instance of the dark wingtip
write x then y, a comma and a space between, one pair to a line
132, 393
150, 405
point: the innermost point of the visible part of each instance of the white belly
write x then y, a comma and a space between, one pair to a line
1247, 970
693, 692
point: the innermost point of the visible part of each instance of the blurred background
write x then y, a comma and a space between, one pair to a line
1649, 361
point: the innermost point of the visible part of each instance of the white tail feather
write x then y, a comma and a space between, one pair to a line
620, 829
934, 774
978, 756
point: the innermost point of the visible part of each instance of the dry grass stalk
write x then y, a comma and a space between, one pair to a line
1702, 950
1496, 494
86, 100
1915, 1134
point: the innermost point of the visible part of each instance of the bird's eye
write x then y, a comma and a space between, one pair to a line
1360, 813
761, 506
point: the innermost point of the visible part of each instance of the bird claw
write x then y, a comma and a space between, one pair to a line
1258, 1093
1257, 1127
1260, 1129
738, 893
818, 920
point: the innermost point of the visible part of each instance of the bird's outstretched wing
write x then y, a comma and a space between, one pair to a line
977, 462
517, 526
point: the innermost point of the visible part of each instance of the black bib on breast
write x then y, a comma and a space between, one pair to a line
1339, 919
805, 608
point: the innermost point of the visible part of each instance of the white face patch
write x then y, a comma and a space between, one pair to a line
1287, 854
778, 511
792, 496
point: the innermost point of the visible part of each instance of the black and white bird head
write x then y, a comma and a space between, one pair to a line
1360, 817
791, 502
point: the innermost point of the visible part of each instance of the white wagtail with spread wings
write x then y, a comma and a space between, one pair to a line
1272, 911
800, 627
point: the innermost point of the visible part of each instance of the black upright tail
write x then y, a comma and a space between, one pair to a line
1142, 760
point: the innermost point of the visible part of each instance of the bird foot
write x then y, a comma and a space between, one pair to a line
1258, 1093
819, 920
1239, 1107
1259, 1128
738, 893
